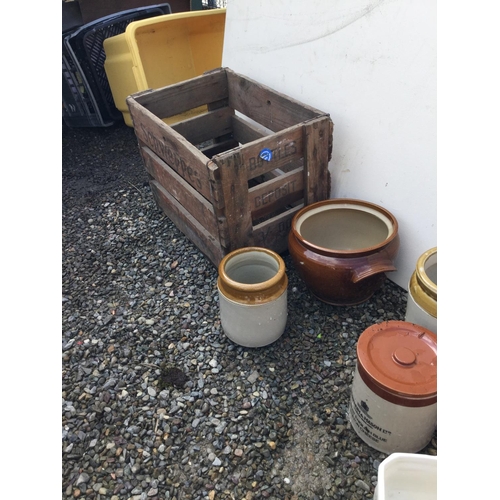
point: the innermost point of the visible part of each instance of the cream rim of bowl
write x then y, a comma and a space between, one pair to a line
351, 206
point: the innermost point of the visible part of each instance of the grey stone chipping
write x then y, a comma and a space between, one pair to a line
139, 299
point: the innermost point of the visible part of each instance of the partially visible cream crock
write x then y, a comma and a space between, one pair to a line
421, 307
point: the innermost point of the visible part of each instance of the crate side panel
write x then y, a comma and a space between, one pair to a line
218, 197
187, 224
272, 109
201, 209
286, 147
172, 148
317, 140
276, 194
234, 187
183, 96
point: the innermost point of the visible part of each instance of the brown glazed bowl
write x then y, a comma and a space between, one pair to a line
342, 248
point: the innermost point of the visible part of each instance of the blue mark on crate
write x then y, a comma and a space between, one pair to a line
266, 154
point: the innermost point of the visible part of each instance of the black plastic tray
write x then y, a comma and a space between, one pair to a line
87, 97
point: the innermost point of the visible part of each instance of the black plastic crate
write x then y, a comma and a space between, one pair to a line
71, 16
213, 4
80, 108
87, 97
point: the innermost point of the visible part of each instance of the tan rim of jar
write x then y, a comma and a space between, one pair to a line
422, 288
252, 293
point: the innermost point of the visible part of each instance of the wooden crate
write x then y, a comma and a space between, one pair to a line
235, 173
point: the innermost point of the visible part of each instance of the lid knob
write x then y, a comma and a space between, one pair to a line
404, 356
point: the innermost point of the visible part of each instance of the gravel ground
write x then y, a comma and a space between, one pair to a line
156, 402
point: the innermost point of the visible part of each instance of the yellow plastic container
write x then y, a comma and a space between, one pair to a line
159, 51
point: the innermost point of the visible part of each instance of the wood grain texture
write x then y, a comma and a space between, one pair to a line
317, 185
177, 152
276, 194
196, 204
245, 131
206, 242
206, 126
183, 96
273, 233
264, 105
286, 147
234, 186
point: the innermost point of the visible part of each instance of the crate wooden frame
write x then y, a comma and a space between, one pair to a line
207, 173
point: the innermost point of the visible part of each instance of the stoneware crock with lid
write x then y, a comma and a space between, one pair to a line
252, 286
342, 248
393, 405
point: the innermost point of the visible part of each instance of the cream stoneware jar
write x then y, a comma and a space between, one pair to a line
421, 307
252, 287
393, 405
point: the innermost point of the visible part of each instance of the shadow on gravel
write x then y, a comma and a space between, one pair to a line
108, 161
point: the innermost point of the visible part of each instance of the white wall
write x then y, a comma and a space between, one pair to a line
372, 66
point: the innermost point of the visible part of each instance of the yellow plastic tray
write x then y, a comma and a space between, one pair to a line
159, 51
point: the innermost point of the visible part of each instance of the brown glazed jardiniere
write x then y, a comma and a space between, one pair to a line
342, 248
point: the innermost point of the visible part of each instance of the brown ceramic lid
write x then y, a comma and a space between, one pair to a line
398, 361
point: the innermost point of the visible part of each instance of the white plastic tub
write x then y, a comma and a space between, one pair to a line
407, 476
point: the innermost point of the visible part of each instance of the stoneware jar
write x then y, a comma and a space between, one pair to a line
421, 307
252, 286
342, 248
393, 405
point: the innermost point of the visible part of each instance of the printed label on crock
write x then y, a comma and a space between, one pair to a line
362, 419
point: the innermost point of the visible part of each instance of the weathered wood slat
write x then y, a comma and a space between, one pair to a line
223, 103
316, 153
186, 223
172, 147
234, 185
330, 141
244, 131
218, 201
264, 105
273, 233
286, 147
219, 147
206, 126
276, 194
215, 185
197, 205
180, 97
